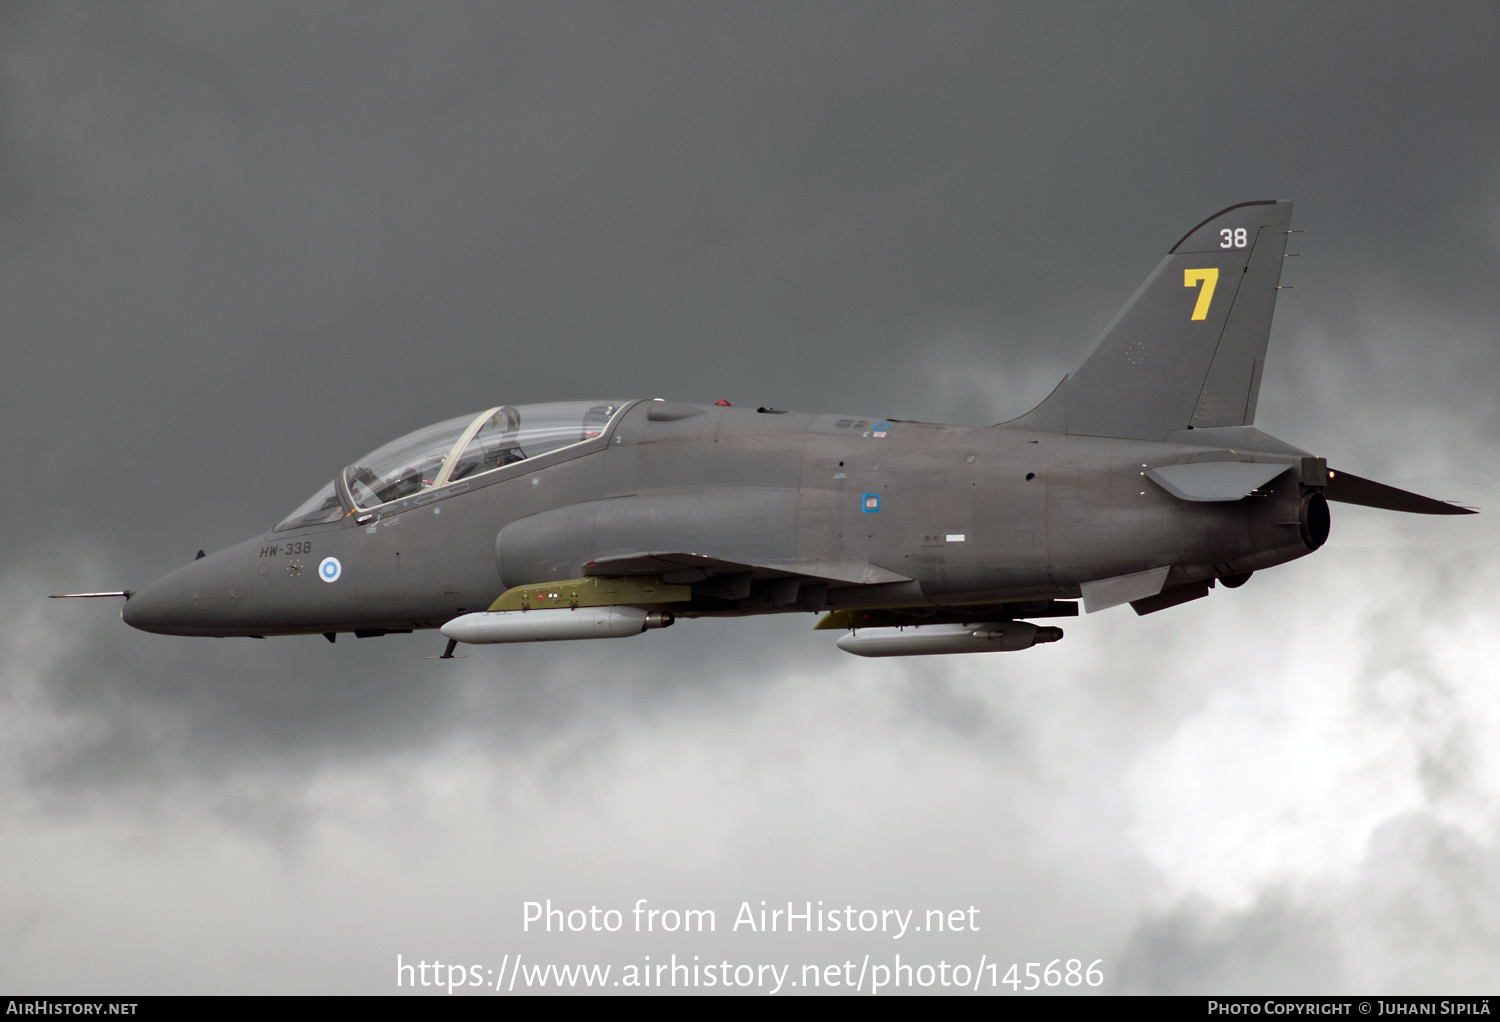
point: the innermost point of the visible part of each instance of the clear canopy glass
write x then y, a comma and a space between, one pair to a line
405, 466
471, 445
319, 509
514, 433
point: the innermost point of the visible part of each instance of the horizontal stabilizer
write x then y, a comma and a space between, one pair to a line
1351, 489
1214, 480
89, 596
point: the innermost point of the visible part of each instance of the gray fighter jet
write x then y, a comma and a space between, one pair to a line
1139, 480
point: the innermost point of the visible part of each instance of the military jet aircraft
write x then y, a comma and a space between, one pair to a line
1140, 480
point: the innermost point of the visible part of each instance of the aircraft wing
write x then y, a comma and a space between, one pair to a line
677, 567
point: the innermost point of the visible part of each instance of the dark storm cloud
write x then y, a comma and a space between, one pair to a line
313, 229
242, 244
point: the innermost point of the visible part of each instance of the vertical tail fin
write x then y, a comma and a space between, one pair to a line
1188, 347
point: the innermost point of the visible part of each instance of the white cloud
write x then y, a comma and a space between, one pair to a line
1267, 746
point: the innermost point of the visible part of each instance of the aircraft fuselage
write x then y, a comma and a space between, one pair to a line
821, 512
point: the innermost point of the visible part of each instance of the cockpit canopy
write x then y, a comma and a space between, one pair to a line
456, 449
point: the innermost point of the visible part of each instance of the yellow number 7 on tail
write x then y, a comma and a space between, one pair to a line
1208, 278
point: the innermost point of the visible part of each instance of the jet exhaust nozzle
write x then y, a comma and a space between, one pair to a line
1313, 519
923, 640
554, 625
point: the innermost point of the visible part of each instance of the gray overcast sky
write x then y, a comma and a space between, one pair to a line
242, 244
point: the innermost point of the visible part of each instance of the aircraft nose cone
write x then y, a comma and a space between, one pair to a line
206, 597
162, 606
